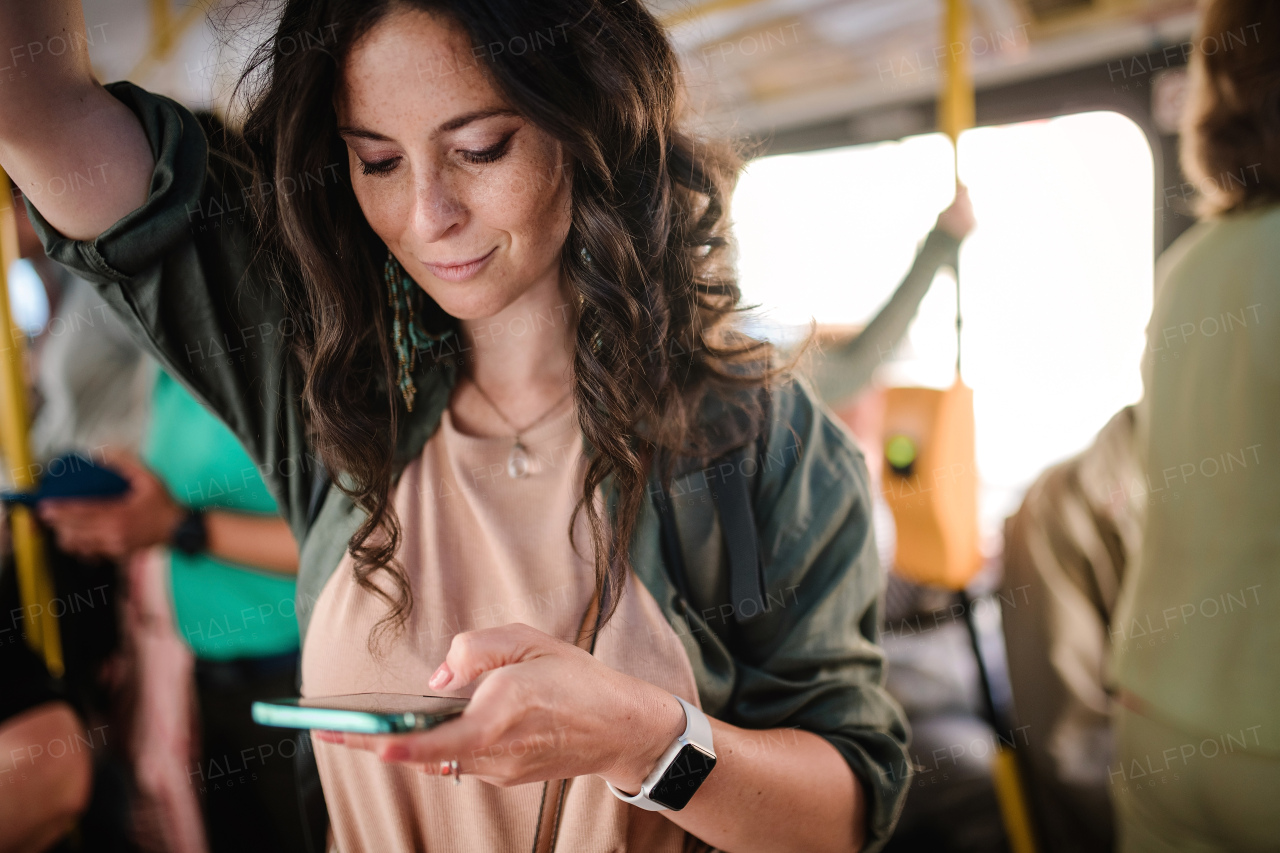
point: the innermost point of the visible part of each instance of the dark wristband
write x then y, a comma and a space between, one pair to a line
191, 536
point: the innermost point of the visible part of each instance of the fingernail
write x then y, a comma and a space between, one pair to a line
395, 752
441, 677
327, 736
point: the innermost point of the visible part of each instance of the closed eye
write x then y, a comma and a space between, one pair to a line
381, 167
488, 155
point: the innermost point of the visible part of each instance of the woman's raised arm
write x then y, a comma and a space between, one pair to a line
78, 153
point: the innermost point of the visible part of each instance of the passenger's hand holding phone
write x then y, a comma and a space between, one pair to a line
115, 527
546, 710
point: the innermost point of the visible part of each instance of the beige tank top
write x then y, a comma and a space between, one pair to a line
482, 549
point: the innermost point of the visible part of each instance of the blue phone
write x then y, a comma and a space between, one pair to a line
72, 476
365, 713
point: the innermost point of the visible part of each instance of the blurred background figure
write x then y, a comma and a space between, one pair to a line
230, 562
1066, 552
63, 753
952, 805
1198, 624
845, 367
206, 570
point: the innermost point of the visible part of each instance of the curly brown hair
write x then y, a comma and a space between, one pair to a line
1231, 138
649, 205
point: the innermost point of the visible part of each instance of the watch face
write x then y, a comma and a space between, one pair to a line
683, 777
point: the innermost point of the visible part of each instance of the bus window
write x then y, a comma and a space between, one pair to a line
1056, 280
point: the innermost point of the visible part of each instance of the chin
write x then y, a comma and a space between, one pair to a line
471, 300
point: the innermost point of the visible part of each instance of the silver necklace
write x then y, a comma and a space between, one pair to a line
518, 458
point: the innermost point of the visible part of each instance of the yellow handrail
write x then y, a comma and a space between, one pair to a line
956, 98
35, 587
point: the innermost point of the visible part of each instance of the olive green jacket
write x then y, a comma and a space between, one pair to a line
177, 271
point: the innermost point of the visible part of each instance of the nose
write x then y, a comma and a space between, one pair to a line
436, 206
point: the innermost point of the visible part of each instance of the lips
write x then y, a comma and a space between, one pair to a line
462, 270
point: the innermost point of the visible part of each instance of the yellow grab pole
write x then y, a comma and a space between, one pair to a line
35, 587
955, 101
956, 114
1006, 777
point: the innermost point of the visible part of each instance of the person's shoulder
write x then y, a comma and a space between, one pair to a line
1237, 246
806, 441
1219, 237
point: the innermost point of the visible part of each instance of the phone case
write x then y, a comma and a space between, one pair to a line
288, 713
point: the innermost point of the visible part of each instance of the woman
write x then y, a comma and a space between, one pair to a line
1197, 624
491, 325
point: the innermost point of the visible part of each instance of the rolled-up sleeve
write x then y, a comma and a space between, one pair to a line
176, 270
814, 663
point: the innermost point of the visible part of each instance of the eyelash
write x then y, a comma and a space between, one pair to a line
382, 167
488, 155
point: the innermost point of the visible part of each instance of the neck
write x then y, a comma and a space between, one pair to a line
522, 357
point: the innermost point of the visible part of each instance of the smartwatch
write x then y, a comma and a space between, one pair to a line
190, 536
681, 770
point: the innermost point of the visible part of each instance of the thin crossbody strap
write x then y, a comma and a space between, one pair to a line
554, 792
732, 494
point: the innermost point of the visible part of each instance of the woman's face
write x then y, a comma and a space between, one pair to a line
472, 199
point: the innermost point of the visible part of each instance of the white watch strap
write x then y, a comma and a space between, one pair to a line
697, 731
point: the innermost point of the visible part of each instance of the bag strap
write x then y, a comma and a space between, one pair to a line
732, 495
671, 552
319, 488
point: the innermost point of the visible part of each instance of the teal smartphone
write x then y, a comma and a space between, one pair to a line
365, 713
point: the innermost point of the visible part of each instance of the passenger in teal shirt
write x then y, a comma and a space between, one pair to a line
223, 610
233, 565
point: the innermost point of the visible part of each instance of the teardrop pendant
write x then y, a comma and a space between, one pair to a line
518, 462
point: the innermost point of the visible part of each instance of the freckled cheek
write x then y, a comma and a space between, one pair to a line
524, 203
386, 211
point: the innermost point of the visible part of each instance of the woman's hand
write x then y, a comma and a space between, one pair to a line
545, 710
115, 527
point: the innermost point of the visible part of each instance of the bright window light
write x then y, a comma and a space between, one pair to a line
27, 299
1056, 279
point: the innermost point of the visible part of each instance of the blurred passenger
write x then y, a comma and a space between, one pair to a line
952, 806
1197, 627
44, 784
1066, 552
62, 762
226, 584
232, 562
845, 368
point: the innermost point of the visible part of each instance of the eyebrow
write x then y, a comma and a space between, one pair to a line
452, 124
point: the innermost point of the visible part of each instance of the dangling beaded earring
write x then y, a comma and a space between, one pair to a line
596, 342
406, 335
